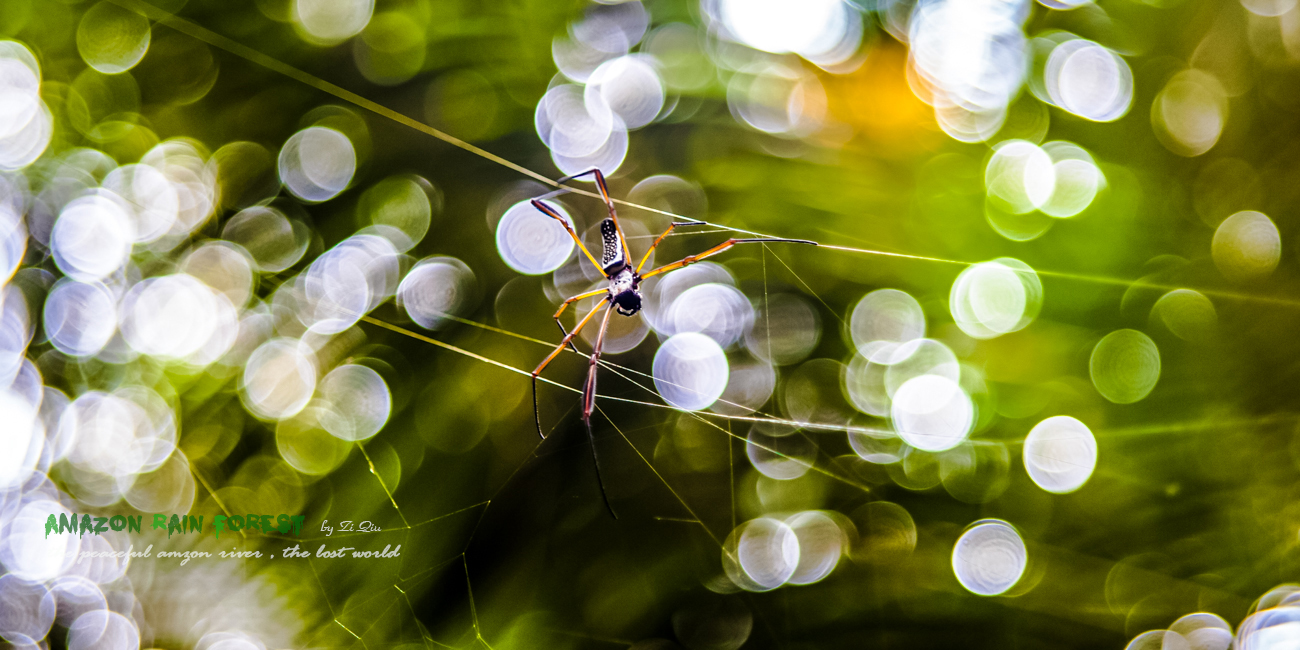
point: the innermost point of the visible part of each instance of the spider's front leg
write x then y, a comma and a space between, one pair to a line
589, 403
691, 259
568, 338
565, 305
655, 245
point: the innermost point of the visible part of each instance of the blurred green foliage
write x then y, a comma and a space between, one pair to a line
506, 543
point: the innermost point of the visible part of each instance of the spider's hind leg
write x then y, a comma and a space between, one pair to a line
600, 183
609, 204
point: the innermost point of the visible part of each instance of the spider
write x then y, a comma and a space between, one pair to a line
622, 293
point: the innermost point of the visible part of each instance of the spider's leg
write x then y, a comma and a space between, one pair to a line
550, 212
600, 184
691, 259
589, 404
537, 416
609, 203
661, 238
589, 294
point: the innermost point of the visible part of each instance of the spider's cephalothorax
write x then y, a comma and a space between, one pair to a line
624, 293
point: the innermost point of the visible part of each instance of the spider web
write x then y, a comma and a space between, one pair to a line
359, 618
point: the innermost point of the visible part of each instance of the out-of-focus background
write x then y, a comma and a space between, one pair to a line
1035, 388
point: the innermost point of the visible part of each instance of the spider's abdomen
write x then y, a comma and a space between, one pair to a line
611, 257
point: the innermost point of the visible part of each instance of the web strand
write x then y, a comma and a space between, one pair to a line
758, 417
247, 53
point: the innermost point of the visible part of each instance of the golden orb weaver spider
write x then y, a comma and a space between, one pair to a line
622, 293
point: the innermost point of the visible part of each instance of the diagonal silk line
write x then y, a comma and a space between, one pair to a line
247, 53
448, 346
1065, 275
194, 30
802, 425
242, 51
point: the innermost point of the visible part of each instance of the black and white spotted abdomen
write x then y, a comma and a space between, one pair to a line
611, 256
